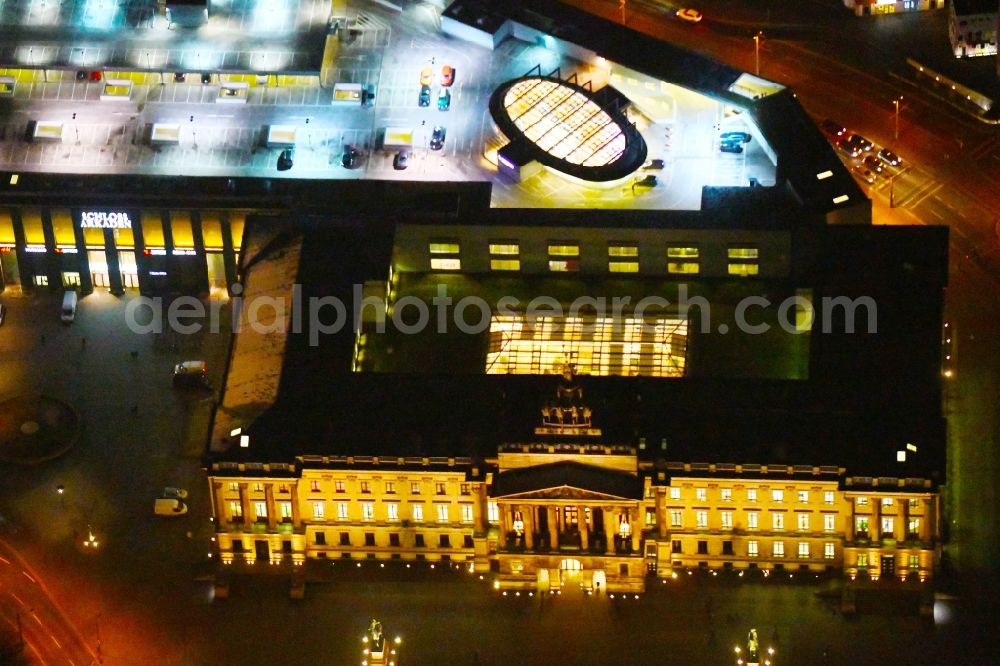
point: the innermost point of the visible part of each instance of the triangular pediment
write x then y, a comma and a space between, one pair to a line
564, 493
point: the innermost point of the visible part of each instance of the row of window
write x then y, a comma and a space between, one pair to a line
778, 496
912, 560
340, 486
343, 511
564, 256
753, 548
777, 520
888, 524
444, 540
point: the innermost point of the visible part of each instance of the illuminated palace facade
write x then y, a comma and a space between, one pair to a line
546, 448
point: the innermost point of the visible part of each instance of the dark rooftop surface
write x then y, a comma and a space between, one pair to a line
567, 474
966, 7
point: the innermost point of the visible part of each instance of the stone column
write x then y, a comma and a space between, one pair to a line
504, 522
852, 529
245, 504
294, 497
220, 506
272, 515
661, 513
877, 517
529, 527
582, 522
483, 519
610, 528
634, 524
928, 528
553, 528
906, 517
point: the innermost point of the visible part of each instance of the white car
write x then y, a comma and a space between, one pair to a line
692, 15
174, 493
169, 507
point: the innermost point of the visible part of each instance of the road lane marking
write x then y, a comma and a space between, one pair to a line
28, 576
34, 615
4, 560
935, 213
17, 597
58, 644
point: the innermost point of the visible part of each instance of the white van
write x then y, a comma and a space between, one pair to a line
68, 312
169, 507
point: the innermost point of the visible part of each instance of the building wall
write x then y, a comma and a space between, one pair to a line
875, 7
973, 34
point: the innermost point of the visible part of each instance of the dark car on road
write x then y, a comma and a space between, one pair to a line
285, 160
425, 96
653, 164
731, 147
830, 127
351, 158
889, 157
437, 138
401, 160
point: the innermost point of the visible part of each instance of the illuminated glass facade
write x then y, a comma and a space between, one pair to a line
653, 347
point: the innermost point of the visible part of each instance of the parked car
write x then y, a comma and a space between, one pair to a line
447, 75
351, 158
653, 164
174, 493
889, 157
169, 507
67, 314
437, 137
863, 144
873, 164
190, 373
426, 76
851, 149
730, 137
444, 100
836, 129
646, 181
864, 174
285, 161
425, 96
731, 147
401, 160
692, 15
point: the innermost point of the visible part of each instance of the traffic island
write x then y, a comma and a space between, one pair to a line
36, 428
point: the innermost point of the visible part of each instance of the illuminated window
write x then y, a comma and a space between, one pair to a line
914, 561
368, 510
829, 522
390, 488
752, 520
564, 250
366, 487
446, 264
505, 264
414, 488
505, 248
803, 497
234, 487
701, 519
803, 549
444, 247
778, 521
623, 250
887, 525
625, 346
751, 494
439, 488
466, 513
829, 550
285, 510
392, 512
683, 252
493, 513
862, 501
314, 486
727, 520
675, 493
418, 513
684, 267
700, 494
777, 495
442, 513
862, 559
342, 508
258, 487
726, 494
913, 526
742, 253
778, 549
914, 503
861, 525
886, 501
752, 550
463, 489
676, 518
339, 486
235, 510
828, 497
260, 510
743, 269
623, 266
563, 265
803, 521
319, 510
650, 516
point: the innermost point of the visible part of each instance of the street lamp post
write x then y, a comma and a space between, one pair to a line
895, 103
756, 52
